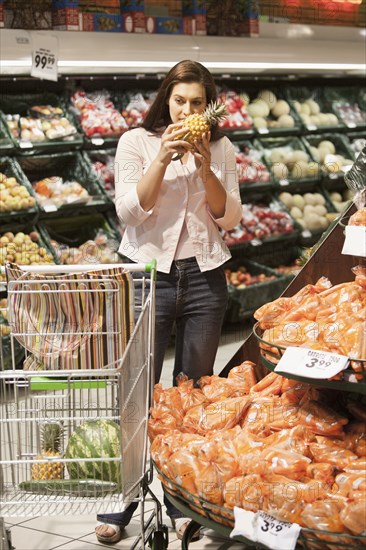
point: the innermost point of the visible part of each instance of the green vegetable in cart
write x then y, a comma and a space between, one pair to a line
95, 439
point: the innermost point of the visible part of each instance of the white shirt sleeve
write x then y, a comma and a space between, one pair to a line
128, 170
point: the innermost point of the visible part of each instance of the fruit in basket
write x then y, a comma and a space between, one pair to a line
98, 439
51, 436
196, 125
13, 195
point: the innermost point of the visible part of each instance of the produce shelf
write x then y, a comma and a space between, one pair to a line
221, 520
352, 379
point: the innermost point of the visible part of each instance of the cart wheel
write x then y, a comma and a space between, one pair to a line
159, 540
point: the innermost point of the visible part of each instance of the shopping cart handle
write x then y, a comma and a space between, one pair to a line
77, 268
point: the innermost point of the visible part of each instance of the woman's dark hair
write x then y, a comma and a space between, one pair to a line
185, 71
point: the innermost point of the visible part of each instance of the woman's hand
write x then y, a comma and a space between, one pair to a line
170, 145
202, 155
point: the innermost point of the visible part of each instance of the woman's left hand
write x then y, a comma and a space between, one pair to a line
202, 155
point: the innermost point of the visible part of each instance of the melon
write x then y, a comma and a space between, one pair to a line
95, 439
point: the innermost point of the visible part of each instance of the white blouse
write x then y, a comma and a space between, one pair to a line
154, 234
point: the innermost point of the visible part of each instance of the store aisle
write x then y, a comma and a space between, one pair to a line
77, 532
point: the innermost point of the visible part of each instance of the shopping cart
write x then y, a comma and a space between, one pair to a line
95, 416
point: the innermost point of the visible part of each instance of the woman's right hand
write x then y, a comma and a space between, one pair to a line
171, 145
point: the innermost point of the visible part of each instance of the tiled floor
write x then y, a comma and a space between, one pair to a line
77, 532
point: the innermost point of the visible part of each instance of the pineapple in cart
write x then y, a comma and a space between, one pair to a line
51, 436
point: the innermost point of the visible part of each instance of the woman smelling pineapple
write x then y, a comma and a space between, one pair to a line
173, 212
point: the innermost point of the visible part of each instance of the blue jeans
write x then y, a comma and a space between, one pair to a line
196, 302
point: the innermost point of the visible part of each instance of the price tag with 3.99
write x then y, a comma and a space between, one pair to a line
275, 534
44, 56
311, 363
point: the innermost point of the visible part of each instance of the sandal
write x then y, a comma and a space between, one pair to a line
102, 531
180, 525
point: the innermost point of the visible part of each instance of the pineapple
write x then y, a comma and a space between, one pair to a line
50, 448
198, 124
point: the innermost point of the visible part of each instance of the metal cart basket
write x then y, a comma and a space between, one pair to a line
97, 461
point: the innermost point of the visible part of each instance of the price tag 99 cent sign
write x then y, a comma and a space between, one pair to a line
44, 56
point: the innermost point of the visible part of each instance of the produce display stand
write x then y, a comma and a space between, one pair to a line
326, 261
112, 394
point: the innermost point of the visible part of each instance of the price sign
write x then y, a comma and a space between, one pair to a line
311, 363
97, 141
306, 233
311, 127
50, 208
355, 241
244, 524
283, 182
263, 528
25, 144
351, 125
277, 535
263, 130
44, 56
256, 242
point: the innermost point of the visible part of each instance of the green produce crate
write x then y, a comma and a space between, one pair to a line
67, 235
312, 108
106, 157
7, 144
256, 169
298, 173
70, 166
256, 248
348, 103
11, 168
21, 104
26, 228
357, 142
97, 139
274, 130
310, 236
333, 171
244, 301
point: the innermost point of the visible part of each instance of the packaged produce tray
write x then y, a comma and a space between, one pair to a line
265, 224
102, 166
17, 198
134, 105
353, 378
221, 520
314, 112
333, 154
35, 129
292, 166
238, 123
97, 118
64, 184
252, 168
272, 114
348, 103
357, 142
89, 239
244, 296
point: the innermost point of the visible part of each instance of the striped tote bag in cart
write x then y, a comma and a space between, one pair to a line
73, 321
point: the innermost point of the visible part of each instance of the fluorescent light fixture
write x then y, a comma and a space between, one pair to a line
218, 65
